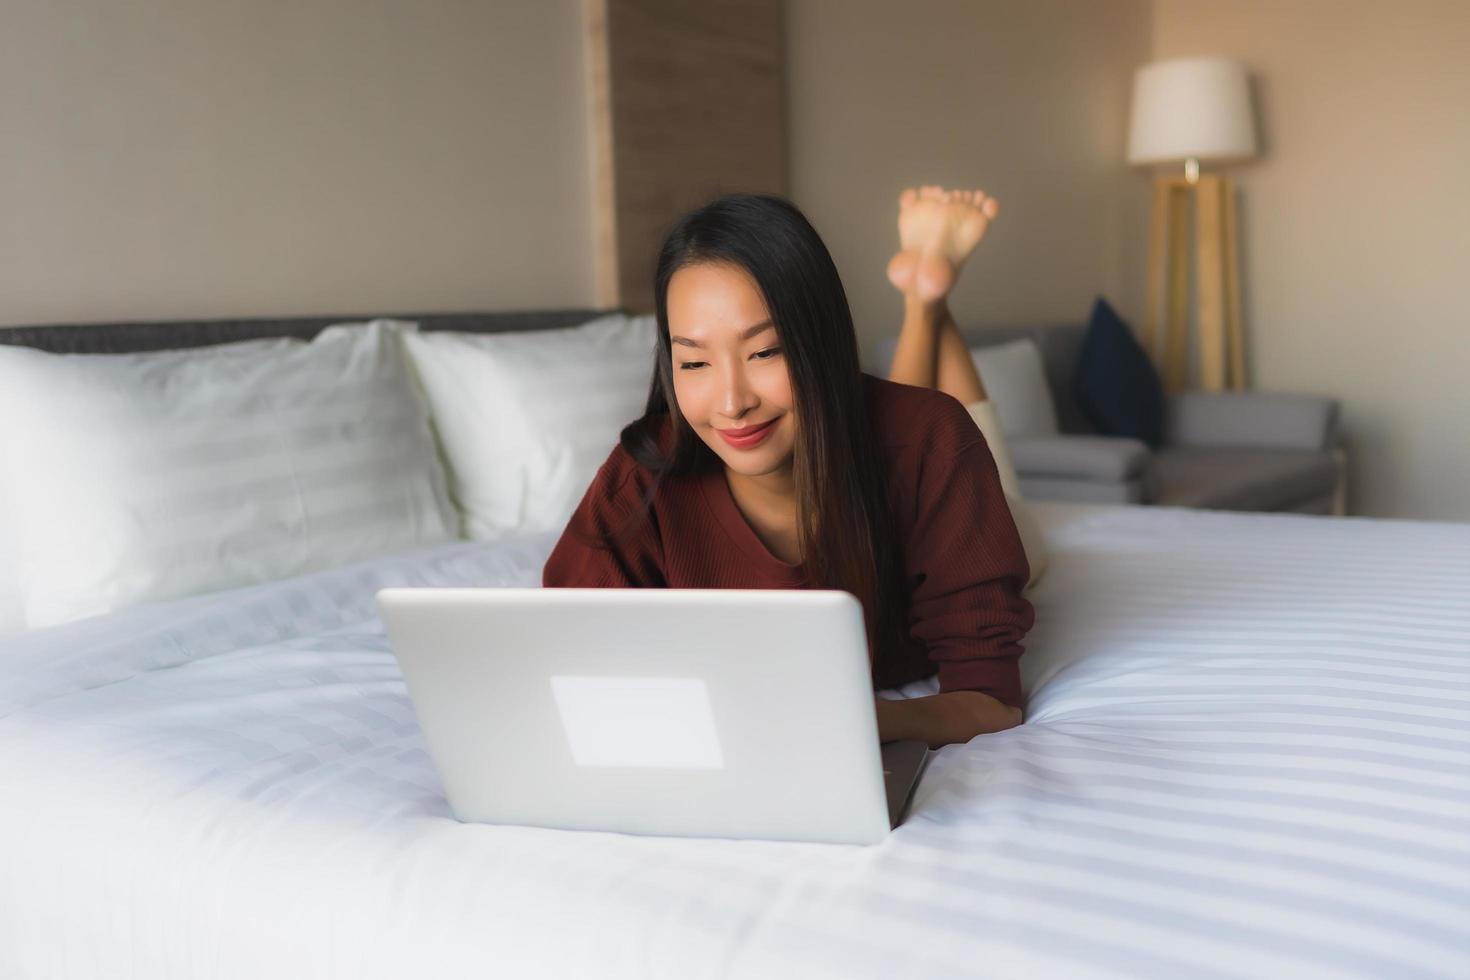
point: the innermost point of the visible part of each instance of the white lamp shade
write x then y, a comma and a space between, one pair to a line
1191, 108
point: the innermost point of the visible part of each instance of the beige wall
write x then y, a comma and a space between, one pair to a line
174, 159
164, 158
1356, 224
1028, 100
169, 159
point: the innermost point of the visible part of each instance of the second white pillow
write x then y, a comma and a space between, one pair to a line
525, 418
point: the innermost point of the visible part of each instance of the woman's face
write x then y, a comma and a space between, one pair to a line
730, 374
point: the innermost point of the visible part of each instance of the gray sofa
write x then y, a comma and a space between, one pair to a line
1237, 451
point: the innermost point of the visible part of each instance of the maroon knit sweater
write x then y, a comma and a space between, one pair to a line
964, 566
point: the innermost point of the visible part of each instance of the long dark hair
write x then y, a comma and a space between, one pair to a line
844, 523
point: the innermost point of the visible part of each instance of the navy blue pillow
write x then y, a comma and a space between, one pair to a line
1116, 385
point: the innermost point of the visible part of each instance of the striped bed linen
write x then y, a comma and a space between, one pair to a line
1247, 754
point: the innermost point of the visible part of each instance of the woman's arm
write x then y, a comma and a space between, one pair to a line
944, 719
968, 567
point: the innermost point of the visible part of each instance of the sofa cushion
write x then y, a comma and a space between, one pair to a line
1079, 457
1241, 479
1116, 385
1059, 345
1016, 383
1255, 419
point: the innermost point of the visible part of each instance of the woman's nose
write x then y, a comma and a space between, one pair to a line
738, 396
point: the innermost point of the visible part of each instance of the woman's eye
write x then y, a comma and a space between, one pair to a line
686, 365
771, 351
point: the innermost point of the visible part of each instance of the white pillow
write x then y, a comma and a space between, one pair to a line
135, 477
1015, 380
526, 417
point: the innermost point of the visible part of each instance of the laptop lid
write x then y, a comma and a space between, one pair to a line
718, 713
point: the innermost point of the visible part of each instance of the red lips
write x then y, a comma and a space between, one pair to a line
748, 436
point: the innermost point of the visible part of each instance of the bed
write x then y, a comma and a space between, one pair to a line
1247, 753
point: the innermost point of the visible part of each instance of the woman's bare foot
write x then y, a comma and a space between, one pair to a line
920, 219
937, 230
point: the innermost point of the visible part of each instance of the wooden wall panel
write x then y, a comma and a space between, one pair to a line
687, 101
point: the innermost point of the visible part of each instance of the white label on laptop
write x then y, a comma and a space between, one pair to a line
638, 722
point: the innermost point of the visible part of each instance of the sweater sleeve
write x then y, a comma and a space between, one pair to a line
611, 541
969, 568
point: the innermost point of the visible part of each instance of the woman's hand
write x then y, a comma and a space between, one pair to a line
958, 716
945, 719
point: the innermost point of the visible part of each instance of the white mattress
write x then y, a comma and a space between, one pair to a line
1246, 755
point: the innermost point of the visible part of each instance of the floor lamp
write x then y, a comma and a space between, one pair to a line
1193, 110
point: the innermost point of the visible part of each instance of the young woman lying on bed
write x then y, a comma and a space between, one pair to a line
767, 459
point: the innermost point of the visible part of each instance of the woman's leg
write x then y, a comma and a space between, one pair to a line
915, 359
937, 231
957, 374
932, 354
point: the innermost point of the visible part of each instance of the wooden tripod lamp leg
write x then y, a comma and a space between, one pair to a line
1176, 333
1210, 281
1232, 291
1217, 284
1158, 250
1167, 312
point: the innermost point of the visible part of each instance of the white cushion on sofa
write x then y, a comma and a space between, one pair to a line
1015, 380
136, 477
526, 417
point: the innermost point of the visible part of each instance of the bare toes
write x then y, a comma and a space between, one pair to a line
990, 208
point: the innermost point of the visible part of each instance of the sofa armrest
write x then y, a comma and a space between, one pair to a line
1250, 420
1107, 459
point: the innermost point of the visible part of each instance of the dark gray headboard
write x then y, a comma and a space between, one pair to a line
122, 338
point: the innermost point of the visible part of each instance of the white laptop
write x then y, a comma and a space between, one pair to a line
690, 712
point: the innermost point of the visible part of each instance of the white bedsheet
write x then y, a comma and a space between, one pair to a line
1245, 755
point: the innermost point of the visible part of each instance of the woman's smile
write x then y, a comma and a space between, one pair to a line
748, 436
